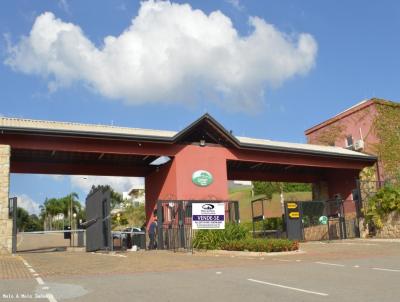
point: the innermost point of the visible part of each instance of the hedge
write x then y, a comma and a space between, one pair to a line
213, 239
261, 245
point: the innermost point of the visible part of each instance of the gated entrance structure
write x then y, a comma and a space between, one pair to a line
46, 147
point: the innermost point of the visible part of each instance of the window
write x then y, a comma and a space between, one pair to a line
349, 141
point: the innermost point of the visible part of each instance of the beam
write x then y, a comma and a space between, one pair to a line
290, 159
92, 145
79, 169
279, 177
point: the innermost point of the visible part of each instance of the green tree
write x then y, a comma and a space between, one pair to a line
268, 188
116, 198
22, 219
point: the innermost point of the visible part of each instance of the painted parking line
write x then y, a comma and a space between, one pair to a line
331, 264
39, 280
289, 287
386, 269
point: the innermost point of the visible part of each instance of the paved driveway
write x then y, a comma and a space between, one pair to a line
341, 271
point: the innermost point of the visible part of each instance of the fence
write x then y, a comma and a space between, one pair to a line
326, 220
46, 241
175, 222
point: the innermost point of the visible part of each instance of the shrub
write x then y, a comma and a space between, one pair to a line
385, 201
212, 239
273, 223
261, 245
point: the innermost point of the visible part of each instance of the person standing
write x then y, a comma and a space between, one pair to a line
153, 234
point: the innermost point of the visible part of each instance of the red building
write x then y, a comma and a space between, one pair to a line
354, 129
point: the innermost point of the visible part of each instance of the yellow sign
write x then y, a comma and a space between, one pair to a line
294, 215
291, 205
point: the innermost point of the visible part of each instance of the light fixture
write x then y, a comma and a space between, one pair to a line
160, 161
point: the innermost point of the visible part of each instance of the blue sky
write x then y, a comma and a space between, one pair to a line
295, 65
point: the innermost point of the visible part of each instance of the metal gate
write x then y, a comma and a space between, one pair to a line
98, 224
175, 222
318, 220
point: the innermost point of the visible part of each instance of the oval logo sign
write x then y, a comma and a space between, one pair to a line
202, 178
207, 206
323, 220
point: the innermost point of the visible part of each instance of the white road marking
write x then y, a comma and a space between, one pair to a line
112, 255
51, 298
332, 264
289, 287
356, 266
218, 273
40, 281
386, 269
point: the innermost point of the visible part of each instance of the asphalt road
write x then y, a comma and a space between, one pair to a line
342, 271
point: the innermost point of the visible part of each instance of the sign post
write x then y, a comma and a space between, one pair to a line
208, 216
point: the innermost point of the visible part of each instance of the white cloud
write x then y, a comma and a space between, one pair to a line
63, 4
24, 201
171, 53
119, 184
236, 4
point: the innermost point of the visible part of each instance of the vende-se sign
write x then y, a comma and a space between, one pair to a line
207, 216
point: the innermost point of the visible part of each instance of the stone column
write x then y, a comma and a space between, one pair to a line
5, 222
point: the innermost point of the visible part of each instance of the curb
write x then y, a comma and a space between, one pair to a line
247, 254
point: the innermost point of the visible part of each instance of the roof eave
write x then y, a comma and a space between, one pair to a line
367, 158
88, 134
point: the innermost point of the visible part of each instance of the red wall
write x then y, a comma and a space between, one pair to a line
174, 181
343, 182
211, 159
358, 124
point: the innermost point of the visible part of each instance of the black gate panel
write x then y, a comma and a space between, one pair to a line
294, 226
98, 224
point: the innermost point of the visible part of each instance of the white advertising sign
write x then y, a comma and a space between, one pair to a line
207, 216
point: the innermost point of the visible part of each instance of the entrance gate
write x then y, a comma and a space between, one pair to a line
175, 222
98, 224
318, 220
